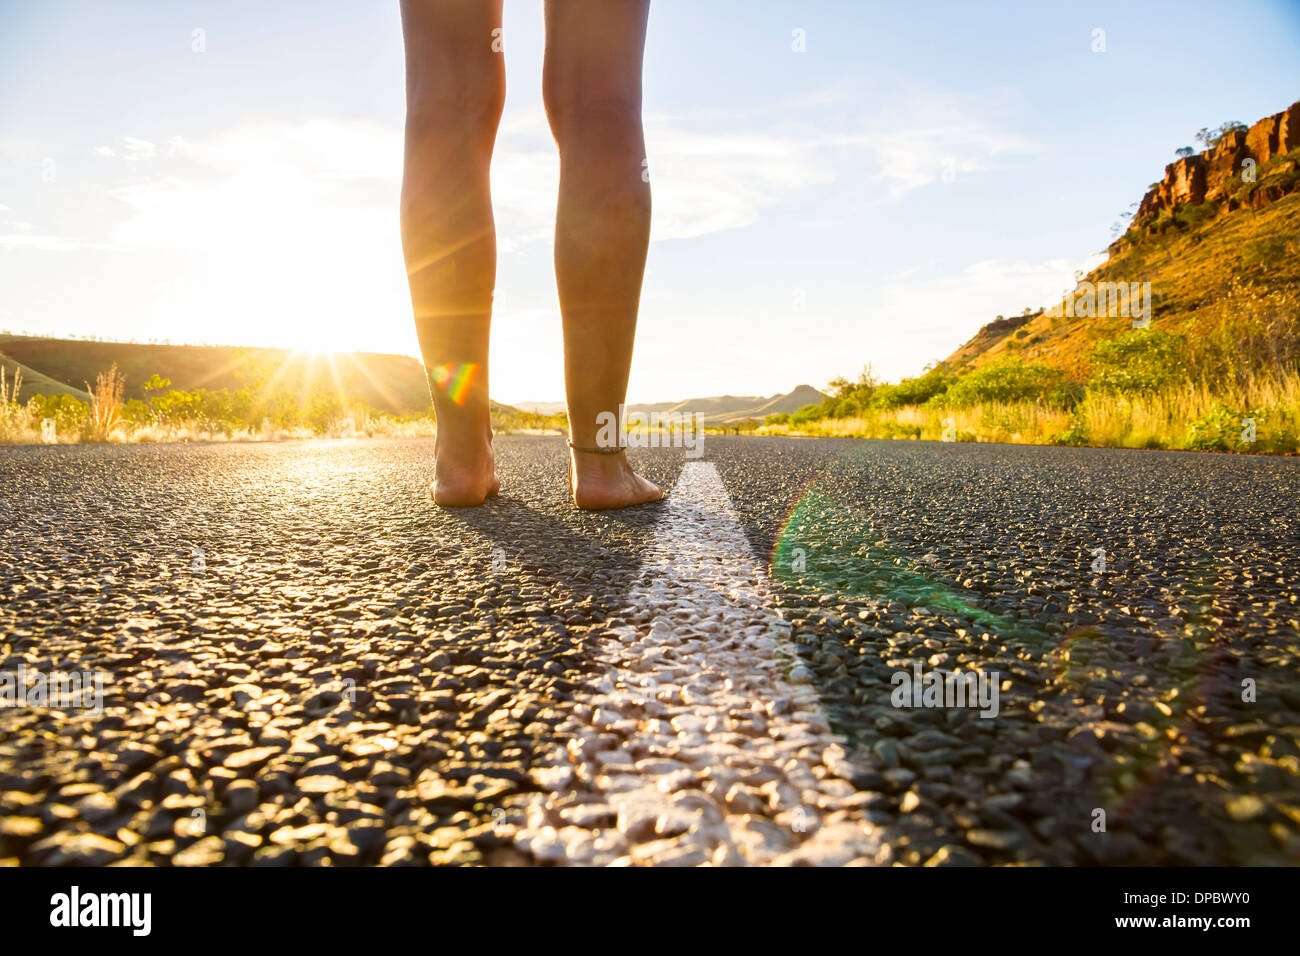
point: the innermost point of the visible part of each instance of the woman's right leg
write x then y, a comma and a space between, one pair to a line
455, 91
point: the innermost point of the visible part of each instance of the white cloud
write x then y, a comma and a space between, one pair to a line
133, 150
20, 234
707, 183
25, 239
942, 312
906, 159
138, 149
314, 186
702, 182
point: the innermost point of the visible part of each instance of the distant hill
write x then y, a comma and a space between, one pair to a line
541, 408
725, 409
713, 410
388, 383
32, 382
785, 404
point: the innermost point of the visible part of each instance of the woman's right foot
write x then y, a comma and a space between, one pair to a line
604, 482
464, 470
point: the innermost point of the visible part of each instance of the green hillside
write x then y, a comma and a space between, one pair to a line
388, 383
33, 382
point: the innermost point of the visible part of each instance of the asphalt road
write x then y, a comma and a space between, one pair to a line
305, 661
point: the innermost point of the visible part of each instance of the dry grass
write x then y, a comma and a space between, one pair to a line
106, 403
1161, 420
348, 425
13, 415
1164, 420
1016, 422
20, 423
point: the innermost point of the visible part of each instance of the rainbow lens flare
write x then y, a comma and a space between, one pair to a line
454, 378
827, 545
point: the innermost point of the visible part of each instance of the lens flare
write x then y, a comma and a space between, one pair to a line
828, 546
454, 378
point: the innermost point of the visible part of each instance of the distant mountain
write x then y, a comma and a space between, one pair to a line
724, 409
713, 410
790, 402
541, 408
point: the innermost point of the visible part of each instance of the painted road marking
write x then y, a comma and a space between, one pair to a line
695, 746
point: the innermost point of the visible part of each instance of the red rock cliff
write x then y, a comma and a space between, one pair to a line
1206, 175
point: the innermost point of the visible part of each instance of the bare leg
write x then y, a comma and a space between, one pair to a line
592, 86
455, 91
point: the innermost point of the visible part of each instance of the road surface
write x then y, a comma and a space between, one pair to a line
304, 661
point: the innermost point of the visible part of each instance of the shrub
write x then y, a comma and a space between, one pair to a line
1219, 429
1197, 214
897, 430
1075, 434
849, 399
1266, 251
913, 391
1008, 380
1222, 428
1140, 360
808, 413
71, 416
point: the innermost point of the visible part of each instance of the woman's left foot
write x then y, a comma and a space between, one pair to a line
605, 482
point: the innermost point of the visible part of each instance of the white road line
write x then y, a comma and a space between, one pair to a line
695, 747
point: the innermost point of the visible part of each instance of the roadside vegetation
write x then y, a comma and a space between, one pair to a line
1226, 378
244, 414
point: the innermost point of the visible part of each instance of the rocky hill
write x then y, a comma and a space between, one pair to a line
1241, 159
1213, 224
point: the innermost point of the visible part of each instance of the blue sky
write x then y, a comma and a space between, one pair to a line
917, 169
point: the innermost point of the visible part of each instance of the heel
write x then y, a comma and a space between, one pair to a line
568, 465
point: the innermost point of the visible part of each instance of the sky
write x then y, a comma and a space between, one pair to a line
836, 183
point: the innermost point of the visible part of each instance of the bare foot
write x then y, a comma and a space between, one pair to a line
464, 470
602, 482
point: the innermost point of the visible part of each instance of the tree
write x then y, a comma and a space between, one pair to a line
1211, 137
1182, 152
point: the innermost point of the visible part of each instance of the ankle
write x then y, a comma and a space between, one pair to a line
463, 426
599, 465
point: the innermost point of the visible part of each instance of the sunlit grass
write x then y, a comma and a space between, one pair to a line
1162, 419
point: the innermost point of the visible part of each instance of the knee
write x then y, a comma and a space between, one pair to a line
467, 106
579, 120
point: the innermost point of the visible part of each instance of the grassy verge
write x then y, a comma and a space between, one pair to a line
1184, 416
176, 415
